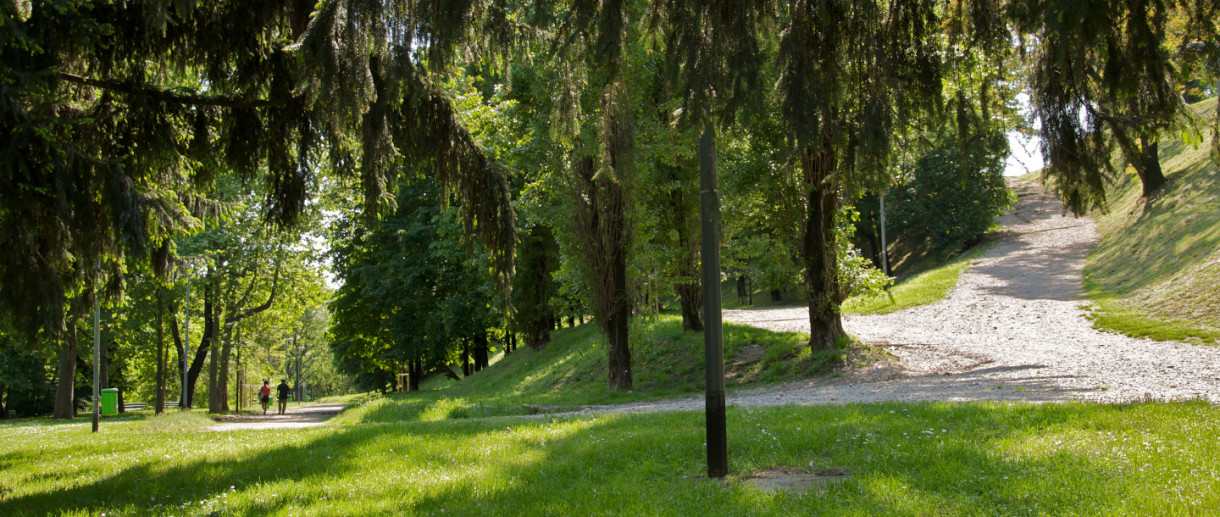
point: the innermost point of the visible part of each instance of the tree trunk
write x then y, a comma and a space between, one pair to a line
205, 343
415, 372
159, 401
481, 359
1151, 175
690, 296
1143, 159
178, 346
122, 391
465, 358
741, 288
3, 413
818, 249
215, 402
222, 381
104, 361
776, 295
65, 405
617, 324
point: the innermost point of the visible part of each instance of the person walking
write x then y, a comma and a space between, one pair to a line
282, 390
264, 395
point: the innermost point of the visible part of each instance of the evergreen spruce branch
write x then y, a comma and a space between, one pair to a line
130, 88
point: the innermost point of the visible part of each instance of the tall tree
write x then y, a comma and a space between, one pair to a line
1104, 74
850, 74
111, 114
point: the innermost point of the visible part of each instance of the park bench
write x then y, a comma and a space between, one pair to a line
135, 406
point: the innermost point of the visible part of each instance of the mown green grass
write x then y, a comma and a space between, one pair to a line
900, 459
1155, 271
924, 288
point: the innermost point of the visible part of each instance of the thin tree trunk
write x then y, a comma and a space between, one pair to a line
481, 359
177, 336
1143, 159
222, 380
616, 327
416, 371
215, 389
104, 366
122, 391
465, 358
690, 297
821, 263
205, 344
1151, 175
65, 405
159, 404
3, 413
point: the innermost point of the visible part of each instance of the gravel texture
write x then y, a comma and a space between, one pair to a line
295, 417
1012, 330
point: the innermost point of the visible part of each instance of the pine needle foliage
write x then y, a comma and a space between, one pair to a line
1103, 76
113, 116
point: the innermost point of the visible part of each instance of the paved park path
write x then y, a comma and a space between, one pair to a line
295, 417
1012, 330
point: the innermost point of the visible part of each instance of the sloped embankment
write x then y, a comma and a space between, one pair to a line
1156, 271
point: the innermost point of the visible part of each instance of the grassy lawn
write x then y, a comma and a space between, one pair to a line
899, 459
1155, 271
924, 288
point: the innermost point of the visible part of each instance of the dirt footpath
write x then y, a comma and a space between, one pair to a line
295, 417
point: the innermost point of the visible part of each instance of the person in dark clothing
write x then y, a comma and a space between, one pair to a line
282, 391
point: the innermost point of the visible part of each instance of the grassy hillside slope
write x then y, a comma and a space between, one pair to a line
571, 371
1156, 270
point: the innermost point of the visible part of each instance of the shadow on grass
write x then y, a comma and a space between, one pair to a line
639, 464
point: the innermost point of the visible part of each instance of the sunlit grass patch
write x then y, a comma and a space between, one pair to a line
921, 289
916, 459
1154, 273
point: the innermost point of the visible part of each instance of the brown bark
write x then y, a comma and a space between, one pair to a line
465, 358
1151, 175
205, 343
159, 403
65, 405
416, 370
818, 248
481, 359
1143, 158
222, 381
690, 296
617, 324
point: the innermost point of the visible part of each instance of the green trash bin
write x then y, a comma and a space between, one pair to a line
110, 401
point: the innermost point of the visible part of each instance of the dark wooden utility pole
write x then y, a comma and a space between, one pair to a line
713, 337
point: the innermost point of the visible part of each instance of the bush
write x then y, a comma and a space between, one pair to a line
954, 195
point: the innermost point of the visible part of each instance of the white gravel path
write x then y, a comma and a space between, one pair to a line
296, 417
1013, 329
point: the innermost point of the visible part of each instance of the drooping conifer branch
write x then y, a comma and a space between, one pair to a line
132, 88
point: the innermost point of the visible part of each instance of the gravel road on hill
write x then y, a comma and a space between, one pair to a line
1012, 330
